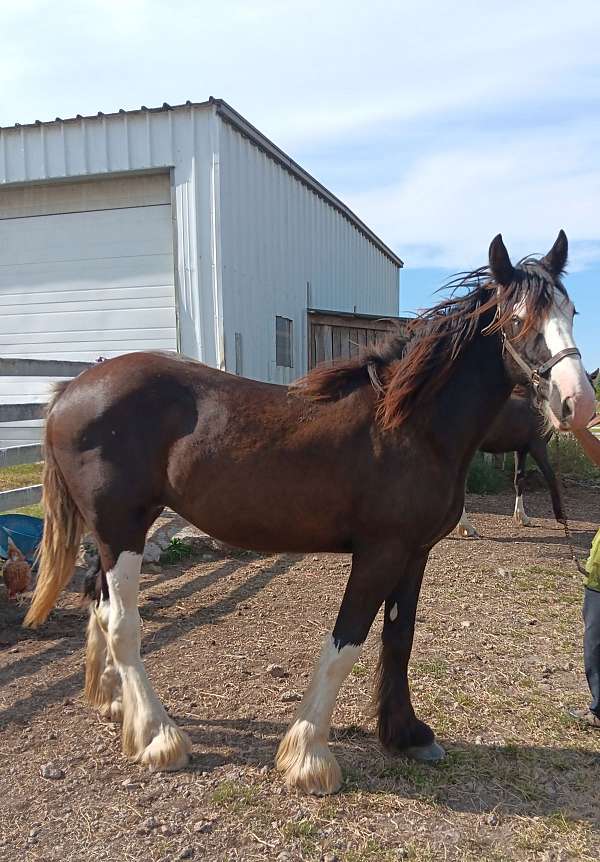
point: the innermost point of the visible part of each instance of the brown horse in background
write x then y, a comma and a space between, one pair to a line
523, 428
342, 462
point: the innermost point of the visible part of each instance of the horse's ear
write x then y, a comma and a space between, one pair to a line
500, 265
594, 375
556, 259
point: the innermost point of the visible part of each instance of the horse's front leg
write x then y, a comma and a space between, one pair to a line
520, 514
304, 755
400, 731
465, 528
149, 735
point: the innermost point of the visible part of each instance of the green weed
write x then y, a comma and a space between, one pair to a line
178, 550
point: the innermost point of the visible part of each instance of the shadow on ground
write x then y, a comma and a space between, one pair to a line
523, 780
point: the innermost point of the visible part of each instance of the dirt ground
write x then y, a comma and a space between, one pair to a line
497, 659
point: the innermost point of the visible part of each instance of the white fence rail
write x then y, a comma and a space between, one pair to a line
14, 455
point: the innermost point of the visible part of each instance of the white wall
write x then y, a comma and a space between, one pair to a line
179, 139
277, 237
249, 234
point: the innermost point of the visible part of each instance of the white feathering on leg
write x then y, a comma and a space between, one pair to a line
304, 755
149, 735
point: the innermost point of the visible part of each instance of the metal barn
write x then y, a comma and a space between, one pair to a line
178, 228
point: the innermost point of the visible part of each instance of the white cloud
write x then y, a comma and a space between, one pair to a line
526, 186
471, 117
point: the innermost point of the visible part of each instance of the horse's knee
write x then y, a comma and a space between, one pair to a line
123, 636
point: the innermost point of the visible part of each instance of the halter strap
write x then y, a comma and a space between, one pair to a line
537, 376
374, 378
554, 360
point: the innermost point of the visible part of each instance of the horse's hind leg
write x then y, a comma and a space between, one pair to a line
520, 515
400, 731
465, 528
539, 452
149, 735
102, 681
304, 755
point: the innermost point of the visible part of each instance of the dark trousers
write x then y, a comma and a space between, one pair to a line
591, 645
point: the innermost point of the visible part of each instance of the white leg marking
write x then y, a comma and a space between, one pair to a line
102, 681
394, 612
149, 735
304, 756
520, 514
465, 527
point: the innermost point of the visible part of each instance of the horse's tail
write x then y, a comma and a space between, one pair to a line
63, 528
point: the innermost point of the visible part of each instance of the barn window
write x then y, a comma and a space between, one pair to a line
284, 338
238, 353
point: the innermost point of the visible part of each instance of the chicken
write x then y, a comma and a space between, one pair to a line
16, 572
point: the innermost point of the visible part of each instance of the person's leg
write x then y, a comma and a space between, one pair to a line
591, 646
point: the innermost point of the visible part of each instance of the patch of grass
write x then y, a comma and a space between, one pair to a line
435, 667
423, 778
178, 550
568, 459
36, 510
556, 831
352, 778
20, 476
484, 478
373, 851
305, 832
359, 670
234, 795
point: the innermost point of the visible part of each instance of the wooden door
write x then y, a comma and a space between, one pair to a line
334, 337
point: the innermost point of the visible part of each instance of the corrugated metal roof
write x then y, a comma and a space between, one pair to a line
231, 116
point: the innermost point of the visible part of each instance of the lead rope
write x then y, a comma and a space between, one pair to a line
565, 523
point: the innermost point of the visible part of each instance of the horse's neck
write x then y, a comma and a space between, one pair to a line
472, 398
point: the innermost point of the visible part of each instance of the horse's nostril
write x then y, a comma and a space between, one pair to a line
567, 409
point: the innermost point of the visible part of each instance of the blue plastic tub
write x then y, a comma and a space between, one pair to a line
25, 531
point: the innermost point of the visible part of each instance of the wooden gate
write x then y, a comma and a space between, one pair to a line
341, 336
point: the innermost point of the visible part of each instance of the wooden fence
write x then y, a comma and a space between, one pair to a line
32, 453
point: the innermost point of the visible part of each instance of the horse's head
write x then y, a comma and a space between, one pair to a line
535, 317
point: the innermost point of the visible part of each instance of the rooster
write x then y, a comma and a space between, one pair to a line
16, 572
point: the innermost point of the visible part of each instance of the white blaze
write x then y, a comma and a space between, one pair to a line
568, 375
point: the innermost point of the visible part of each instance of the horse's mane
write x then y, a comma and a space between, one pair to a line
405, 371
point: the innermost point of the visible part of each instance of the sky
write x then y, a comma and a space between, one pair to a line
439, 123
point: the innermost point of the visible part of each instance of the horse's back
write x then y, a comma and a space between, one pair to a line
517, 425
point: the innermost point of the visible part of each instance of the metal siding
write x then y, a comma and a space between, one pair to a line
277, 235
79, 278
121, 143
249, 234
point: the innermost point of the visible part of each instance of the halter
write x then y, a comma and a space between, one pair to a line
537, 376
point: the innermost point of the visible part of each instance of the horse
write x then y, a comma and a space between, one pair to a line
522, 428
341, 462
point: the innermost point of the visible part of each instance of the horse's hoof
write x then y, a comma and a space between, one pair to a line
467, 532
522, 520
168, 751
306, 761
431, 753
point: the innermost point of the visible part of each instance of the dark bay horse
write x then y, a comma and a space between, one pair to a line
522, 428
342, 462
